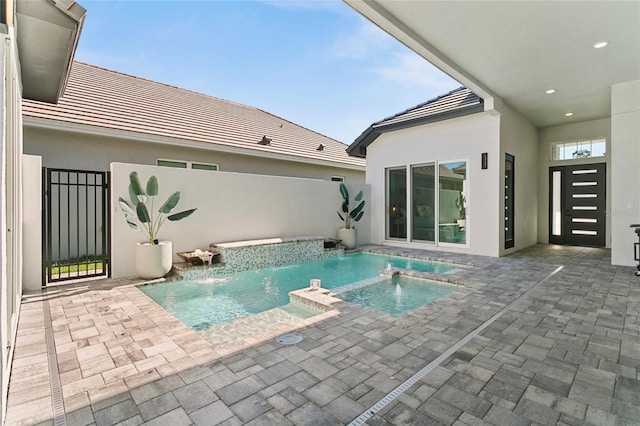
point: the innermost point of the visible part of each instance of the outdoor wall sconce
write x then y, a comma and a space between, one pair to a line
485, 160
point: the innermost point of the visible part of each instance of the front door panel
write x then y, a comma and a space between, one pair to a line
577, 205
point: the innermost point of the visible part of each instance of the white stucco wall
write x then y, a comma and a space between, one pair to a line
6, 338
64, 149
32, 223
519, 138
625, 170
463, 138
231, 207
11, 237
586, 130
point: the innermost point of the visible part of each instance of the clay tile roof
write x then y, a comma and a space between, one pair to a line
108, 99
456, 103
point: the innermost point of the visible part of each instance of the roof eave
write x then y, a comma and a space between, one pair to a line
359, 147
64, 126
47, 37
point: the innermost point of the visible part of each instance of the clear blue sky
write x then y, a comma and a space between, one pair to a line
316, 63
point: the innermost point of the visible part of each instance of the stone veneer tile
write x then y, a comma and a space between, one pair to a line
289, 251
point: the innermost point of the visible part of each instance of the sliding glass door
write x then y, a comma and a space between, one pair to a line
429, 205
452, 202
424, 202
397, 203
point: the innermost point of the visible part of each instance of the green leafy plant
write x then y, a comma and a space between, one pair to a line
347, 215
141, 214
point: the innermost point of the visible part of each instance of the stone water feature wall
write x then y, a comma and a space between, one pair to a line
240, 256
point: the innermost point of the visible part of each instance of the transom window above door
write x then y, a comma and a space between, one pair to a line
576, 150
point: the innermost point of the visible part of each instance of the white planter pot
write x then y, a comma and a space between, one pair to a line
348, 237
154, 261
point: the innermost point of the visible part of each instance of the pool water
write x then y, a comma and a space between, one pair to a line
398, 295
201, 304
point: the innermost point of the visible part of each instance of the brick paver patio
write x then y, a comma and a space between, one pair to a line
566, 353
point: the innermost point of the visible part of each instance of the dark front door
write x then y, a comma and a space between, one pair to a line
577, 205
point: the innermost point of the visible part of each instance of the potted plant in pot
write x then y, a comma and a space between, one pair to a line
153, 257
348, 234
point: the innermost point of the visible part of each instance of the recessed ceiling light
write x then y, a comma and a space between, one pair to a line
568, 114
550, 91
600, 44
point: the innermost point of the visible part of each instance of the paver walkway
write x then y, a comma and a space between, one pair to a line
566, 353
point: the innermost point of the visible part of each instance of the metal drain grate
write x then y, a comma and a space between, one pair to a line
362, 418
289, 338
59, 418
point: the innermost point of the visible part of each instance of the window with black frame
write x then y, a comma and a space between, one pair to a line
509, 201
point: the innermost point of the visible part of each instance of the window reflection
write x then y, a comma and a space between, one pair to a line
423, 207
432, 207
452, 209
397, 203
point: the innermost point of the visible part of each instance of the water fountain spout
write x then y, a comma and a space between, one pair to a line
206, 256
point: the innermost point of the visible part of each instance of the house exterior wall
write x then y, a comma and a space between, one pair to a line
586, 130
518, 137
5, 335
625, 170
84, 151
463, 138
32, 223
231, 207
10, 201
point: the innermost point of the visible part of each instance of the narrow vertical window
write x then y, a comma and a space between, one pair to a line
509, 201
556, 203
397, 203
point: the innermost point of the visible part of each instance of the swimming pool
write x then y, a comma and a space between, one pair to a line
397, 295
201, 304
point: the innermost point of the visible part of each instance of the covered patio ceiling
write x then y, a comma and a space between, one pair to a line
517, 50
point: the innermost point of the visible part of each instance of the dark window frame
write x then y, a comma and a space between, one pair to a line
509, 201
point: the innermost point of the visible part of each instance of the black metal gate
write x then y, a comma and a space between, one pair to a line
75, 225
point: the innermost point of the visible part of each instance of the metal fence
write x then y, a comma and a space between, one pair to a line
75, 225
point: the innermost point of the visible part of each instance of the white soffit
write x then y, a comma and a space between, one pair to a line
48, 33
516, 50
